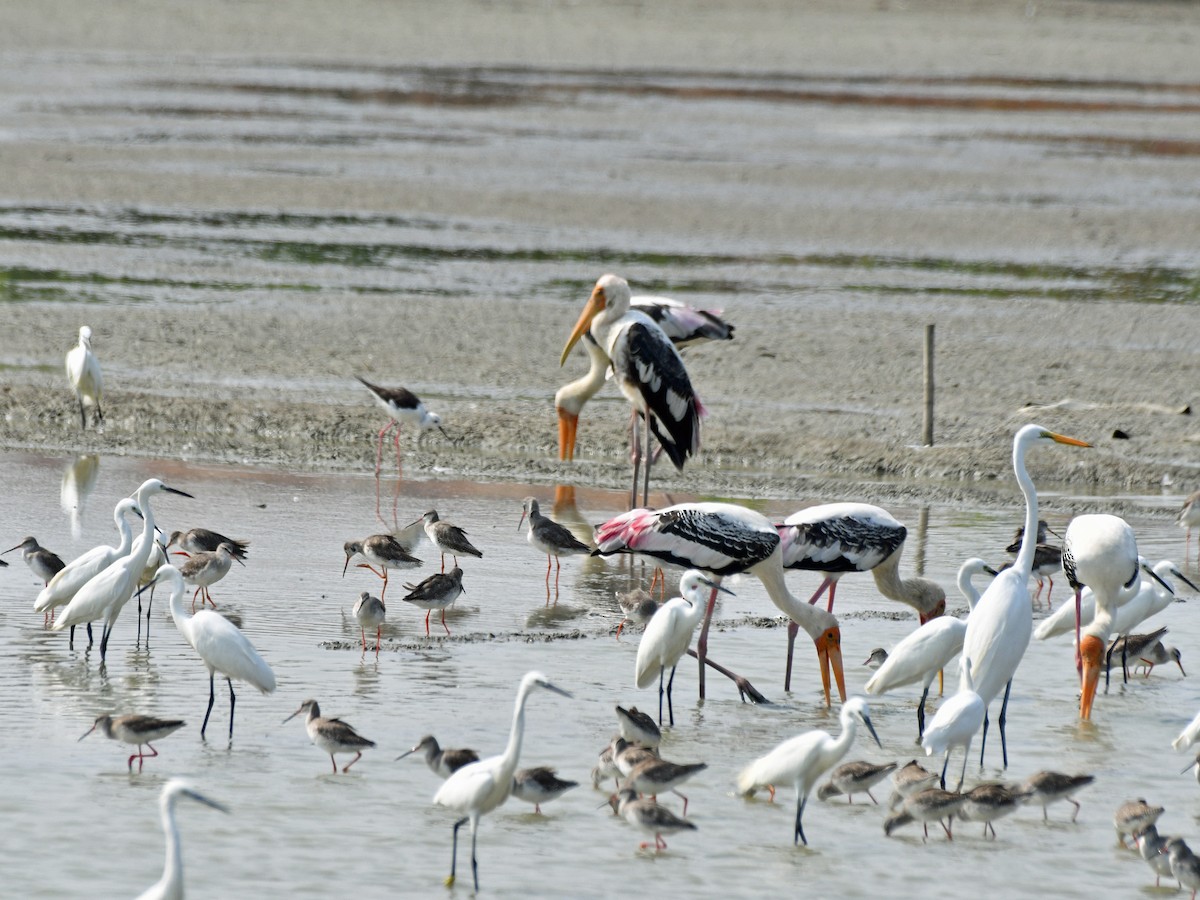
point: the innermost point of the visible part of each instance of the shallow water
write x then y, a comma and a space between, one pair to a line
78, 822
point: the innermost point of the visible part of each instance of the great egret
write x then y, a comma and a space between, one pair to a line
219, 644
999, 627
437, 591
646, 815
805, 758
170, 886
369, 612
1099, 551
927, 650
1045, 787
726, 539
381, 550
647, 368
83, 371
836, 538
206, 568
331, 735
1189, 518
539, 785
480, 787
443, 762
447, 538
107, 593
669, 633
402, 405
136, 730
547, 536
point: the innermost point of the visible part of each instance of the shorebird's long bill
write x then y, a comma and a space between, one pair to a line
93, 728
200, 798
292, 716
1091, 649
404, 754
568, 424
349, 556
593, 308
1063, 439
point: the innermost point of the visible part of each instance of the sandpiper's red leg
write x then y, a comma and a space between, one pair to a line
378, 633
427, 612
346, 768
444, 621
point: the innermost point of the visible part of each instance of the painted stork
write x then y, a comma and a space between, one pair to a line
647, 368
726, 539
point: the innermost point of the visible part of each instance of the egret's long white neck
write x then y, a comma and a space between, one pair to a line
1024, 561
178, 614
967, 589
172, 878
508, 762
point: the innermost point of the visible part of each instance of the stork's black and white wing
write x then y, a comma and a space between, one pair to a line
840, 537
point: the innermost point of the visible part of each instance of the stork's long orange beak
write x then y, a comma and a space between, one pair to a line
593, 308
567, 425
829, 655
1091, 649
939, 610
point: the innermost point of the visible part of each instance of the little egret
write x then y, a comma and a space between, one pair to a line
955, 724
926, 651
802, 760
331, 735
79, 571
107, 593
668, 634
170, 886
83, 371
219, 644
482, 786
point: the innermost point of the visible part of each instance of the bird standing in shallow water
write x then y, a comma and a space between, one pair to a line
1189, 518
547, 536
1047, 787
437, 591
370, 612
539, 785
44, 564
448, 538
649, 817
857, 777
136, 730
220, 645
442, 762
200, 540
1133, 816
381, 550
805, 758
482, 786
83, 371
929, 805
205, 569
637, 727
638, 606
170, 886
402, 405
331, 735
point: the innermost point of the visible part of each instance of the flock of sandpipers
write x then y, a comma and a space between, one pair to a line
636, 341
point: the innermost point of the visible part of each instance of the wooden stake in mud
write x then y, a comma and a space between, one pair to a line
927, 424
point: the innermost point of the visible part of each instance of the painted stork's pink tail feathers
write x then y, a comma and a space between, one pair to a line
623, 531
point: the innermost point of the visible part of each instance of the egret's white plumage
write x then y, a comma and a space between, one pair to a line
170, 886
83, 371
928, 649
107, 593
999, 627
1189, 736
480, 787
219, 644
955, 724
802, 760
1189, 518
84, 568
